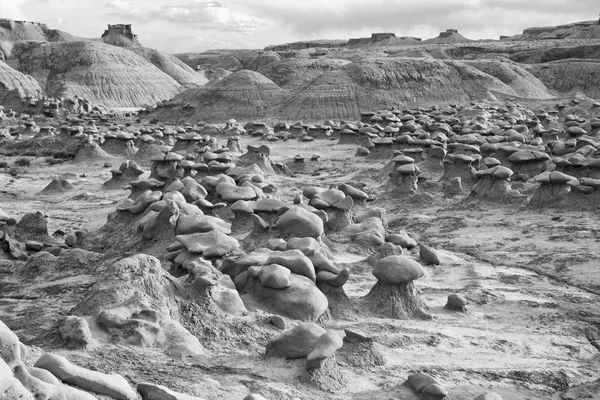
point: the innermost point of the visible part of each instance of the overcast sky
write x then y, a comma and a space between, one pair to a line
197, 25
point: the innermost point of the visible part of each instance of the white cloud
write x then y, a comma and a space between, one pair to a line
12, 9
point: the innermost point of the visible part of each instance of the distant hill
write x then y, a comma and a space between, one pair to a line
243, 95
114, 70
576, 30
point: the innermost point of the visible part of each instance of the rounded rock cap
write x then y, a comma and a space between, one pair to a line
397, 270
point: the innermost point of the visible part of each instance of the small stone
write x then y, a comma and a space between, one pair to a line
71, 240
278, 321
34, 245
275, 276
429, 256
456, 302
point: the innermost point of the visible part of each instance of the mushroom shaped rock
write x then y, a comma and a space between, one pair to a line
325, 348
301, 300
405, 178
113, 385
494, 186
299, 222
298, 342
152, 391
295, 261
527, 163
459, 165
210, 244
394, 295
397, 270
554, 189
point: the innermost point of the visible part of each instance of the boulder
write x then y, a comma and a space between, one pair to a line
210, 244
325, 347
295, 261
301, 300
298, 342
75, 332
274, 276
299, 222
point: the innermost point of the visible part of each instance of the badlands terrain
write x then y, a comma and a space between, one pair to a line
375, 218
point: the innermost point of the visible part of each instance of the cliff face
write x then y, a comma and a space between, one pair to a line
577, 30
120, 35
15, 86
13, 31
570, 76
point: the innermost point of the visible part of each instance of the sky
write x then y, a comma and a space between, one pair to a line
178, 26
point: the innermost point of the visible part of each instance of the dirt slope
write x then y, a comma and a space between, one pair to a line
294, 72
99, 72
374, 84
172, 66
243, 95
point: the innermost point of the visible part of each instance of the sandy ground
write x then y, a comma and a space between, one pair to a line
533, 283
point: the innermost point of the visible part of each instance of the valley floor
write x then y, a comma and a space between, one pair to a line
532, 278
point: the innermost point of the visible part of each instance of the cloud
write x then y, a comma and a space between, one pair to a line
314, 18
197, 14
12, 9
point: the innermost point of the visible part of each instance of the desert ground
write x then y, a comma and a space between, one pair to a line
375, 218
530, 329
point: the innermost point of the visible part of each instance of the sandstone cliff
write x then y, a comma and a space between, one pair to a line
15, 86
